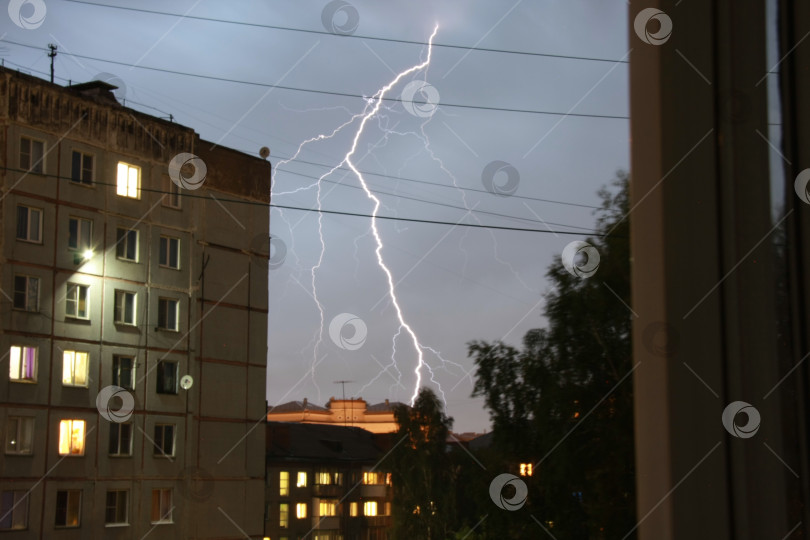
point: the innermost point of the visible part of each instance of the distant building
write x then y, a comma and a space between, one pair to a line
113, 275
378, 418
326, 482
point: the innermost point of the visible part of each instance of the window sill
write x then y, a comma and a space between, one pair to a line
162, 523
79, 386
23, 381
167, 267
20, 454
124, 259
27, 241
116, 525
74, 319
79, 183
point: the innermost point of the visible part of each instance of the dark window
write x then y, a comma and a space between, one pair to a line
166, 377
81, 170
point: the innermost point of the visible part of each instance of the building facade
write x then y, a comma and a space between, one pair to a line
377, 418
326, 483
133, 322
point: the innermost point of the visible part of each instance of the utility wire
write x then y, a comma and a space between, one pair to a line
324, 92
332, 34
335, 212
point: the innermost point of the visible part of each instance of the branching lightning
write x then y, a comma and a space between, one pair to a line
371, 109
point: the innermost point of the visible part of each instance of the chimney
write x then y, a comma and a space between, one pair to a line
305, 403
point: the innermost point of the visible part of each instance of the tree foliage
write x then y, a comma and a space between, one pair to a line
422, 472
564, 402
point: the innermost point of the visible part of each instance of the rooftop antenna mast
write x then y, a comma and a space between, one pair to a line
52, 55
343, 384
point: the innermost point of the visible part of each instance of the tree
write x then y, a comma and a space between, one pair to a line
564, 402
421, 471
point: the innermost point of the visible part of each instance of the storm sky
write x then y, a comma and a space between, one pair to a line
425, 160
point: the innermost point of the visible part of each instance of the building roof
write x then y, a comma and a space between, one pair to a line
385, 406
321, 442
297, 406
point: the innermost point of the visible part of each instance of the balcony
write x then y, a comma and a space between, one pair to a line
327, 490
375, 491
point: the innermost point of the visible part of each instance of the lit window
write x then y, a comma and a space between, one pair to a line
81, 168
74, 368
116, 511
284, 483
32, 155
76, 304
162, 505
80, 234
370, 508
128, 181
301, 480
22, 363
283, 515
124, 312
120, 443
327, 508
126, 244
371, 477
166, 377
164, 440
169, 256
71, 437
68, 508
168, 309
29, 224
353, 509
124, 372
172, 199
526, 469
301, 510
26, 293
19, 434
13, 510
328, 478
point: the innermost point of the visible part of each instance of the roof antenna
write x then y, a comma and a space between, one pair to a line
52, 55
343, 384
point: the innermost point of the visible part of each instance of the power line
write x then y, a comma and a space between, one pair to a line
336, 212
463, 209
324, 92
331, 34
434, 184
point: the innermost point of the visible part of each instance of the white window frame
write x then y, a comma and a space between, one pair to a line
116, 428
117, 505
16, 512
71, 360
36, 166
116, 370
172, 199
165, 251
120, 313
19, 440
168, 324
29, 293
76, 289
164, 496
84, 226
126, 185
28, 236
71, 494
159, 442
123, 238
19, 361
66, 428
82, 181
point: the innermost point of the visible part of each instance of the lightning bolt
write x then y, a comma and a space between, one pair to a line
371, 109
375, 107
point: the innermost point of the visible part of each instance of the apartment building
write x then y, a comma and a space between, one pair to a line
377, 418
133, 322
327, 483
